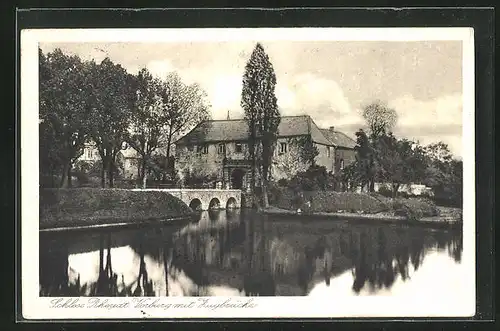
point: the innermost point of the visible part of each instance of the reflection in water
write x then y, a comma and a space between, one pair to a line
238, 253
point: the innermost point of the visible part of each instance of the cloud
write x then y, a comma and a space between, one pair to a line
431, 121
321, 98
160, 68
443, 110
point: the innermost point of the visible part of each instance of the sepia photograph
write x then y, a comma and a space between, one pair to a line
219, 172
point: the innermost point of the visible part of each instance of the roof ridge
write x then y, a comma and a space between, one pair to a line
242, 119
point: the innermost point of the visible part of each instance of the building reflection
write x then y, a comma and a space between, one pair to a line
242, 251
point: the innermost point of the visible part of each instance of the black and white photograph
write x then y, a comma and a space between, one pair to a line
281, 172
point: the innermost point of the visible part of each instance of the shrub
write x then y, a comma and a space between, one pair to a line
316, 178
414, 208
331, 201
385, 191
283, 182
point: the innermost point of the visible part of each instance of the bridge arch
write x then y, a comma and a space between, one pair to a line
196, 204
204, 199
231, 203
214, 204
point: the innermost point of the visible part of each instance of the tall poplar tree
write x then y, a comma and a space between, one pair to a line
259, 103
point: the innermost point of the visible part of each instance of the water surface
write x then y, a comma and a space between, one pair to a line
239, 253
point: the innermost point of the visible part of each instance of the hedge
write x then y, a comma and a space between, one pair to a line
91, 206
331, 201
352, 202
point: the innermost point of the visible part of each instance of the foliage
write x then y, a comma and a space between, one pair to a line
380, 118
385, 191
299, 157
330, 201
145, 131
112, 101
313, 179
65, 112
398, 161
183, 107
414, 209
198, 180
444, 174
259, 103
84, 101
307, 150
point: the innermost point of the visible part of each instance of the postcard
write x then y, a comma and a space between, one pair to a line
247, 173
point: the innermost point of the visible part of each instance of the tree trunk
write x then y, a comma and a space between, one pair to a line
395, 189
144, 180
143, 172
265, 196
104, 172
103, 176
64, 177
372, 185
69, 176
110, 175
169, 170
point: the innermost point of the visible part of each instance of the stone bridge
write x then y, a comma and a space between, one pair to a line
205, 199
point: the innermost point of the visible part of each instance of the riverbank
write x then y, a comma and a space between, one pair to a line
90, 207
361, 207
382, 217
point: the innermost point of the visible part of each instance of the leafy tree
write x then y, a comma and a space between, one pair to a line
147, 119
399, 161
181, 107
313, 179
379, 118
307, 150
365, 166
259, 102
299, 157
65, 113
444, 174
112, 103
164, 109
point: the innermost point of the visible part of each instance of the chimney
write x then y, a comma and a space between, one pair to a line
228, 115
332, 128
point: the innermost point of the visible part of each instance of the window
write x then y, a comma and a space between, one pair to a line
205, 149
341, 164
190, 148
221, 149
328, 151
89, 153
239, 148
283, 148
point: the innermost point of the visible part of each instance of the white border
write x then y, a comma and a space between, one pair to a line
34, 307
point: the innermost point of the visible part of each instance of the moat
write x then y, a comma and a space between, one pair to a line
241, 253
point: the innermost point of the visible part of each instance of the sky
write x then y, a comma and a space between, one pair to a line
329, 80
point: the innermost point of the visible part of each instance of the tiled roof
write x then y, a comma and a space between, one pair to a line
338, 138
234, 130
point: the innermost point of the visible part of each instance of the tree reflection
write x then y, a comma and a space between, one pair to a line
258, 256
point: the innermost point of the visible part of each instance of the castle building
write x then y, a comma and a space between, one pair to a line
219, 149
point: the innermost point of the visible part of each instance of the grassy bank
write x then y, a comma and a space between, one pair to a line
89, 206
351, 203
